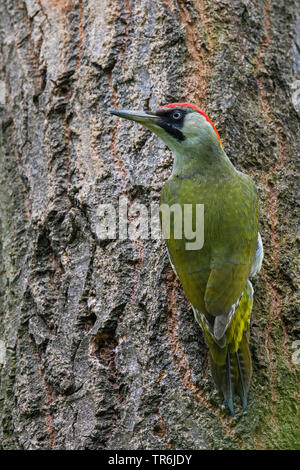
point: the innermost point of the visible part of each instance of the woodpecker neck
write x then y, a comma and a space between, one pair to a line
206, 159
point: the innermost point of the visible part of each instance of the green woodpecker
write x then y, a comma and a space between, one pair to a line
215, 278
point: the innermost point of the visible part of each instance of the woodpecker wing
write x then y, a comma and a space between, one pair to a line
214, 277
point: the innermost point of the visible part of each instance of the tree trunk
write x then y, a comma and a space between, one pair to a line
98, 345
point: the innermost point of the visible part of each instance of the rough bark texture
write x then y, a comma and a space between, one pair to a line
99, 348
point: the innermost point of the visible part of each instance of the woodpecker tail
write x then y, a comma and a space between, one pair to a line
233, 373
230, 358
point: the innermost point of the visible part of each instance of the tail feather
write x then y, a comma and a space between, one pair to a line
244, 362
231, 364
242, 386
229, 391
233, 375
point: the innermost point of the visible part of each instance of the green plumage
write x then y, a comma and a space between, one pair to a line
236, 374
214, 278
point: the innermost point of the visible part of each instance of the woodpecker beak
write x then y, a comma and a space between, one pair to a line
143, 117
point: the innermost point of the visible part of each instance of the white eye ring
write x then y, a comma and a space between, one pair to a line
176, 115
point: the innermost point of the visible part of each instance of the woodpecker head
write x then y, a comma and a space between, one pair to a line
182, 126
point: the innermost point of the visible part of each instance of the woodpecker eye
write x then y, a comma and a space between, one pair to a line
176, 115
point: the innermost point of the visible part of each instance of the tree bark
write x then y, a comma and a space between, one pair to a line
98, 345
